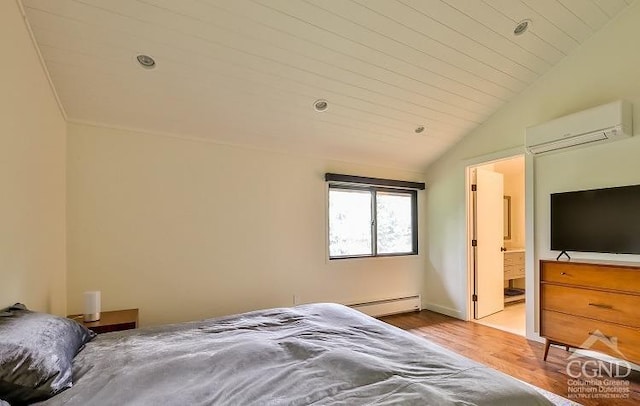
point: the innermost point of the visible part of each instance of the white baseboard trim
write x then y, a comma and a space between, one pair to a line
443, 310
385, 307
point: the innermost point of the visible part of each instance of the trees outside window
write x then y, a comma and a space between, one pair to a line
372, 221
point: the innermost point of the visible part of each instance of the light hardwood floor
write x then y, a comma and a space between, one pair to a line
509, 353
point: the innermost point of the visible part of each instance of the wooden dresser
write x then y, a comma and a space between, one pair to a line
580, 300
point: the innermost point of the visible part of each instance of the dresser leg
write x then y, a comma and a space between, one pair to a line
547, 343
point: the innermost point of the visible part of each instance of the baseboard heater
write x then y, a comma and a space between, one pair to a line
386, 307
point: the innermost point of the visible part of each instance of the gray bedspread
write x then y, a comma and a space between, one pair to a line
321, 354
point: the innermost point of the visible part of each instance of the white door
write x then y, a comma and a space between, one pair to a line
489, 234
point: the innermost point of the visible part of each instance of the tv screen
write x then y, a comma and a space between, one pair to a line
600, 220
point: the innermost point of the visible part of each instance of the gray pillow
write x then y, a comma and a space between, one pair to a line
36, 352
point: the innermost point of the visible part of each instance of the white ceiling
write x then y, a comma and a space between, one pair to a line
247, 72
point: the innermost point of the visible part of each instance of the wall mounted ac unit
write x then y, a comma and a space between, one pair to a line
609, 122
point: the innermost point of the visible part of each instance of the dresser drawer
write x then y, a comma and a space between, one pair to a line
513, 272
575, 330
617, 308
513, 258
590, 275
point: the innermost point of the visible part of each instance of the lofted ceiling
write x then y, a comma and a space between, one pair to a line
247, 72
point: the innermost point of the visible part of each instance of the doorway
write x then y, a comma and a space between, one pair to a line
496, 208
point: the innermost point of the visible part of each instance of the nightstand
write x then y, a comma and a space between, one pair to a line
116, 320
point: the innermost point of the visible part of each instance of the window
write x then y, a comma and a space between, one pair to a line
367, 221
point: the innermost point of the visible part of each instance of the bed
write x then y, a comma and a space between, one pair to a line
319, 354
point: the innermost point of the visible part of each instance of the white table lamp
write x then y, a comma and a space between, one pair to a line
92, 306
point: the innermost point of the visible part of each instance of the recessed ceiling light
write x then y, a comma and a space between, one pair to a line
419, 129
522, 27
146, 61
320, 105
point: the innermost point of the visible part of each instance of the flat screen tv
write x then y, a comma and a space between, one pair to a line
599, 220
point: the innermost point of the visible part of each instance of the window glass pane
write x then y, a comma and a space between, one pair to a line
394, 223
349, 222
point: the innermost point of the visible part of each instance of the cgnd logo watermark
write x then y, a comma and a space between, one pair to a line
598, 379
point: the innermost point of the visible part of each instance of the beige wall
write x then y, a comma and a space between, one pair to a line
187, 229
32, 175
603, 69
513, 172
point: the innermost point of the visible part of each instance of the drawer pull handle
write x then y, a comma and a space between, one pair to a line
600, 305
599, 334
563, 273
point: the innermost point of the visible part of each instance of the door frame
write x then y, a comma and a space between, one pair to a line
531, 294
